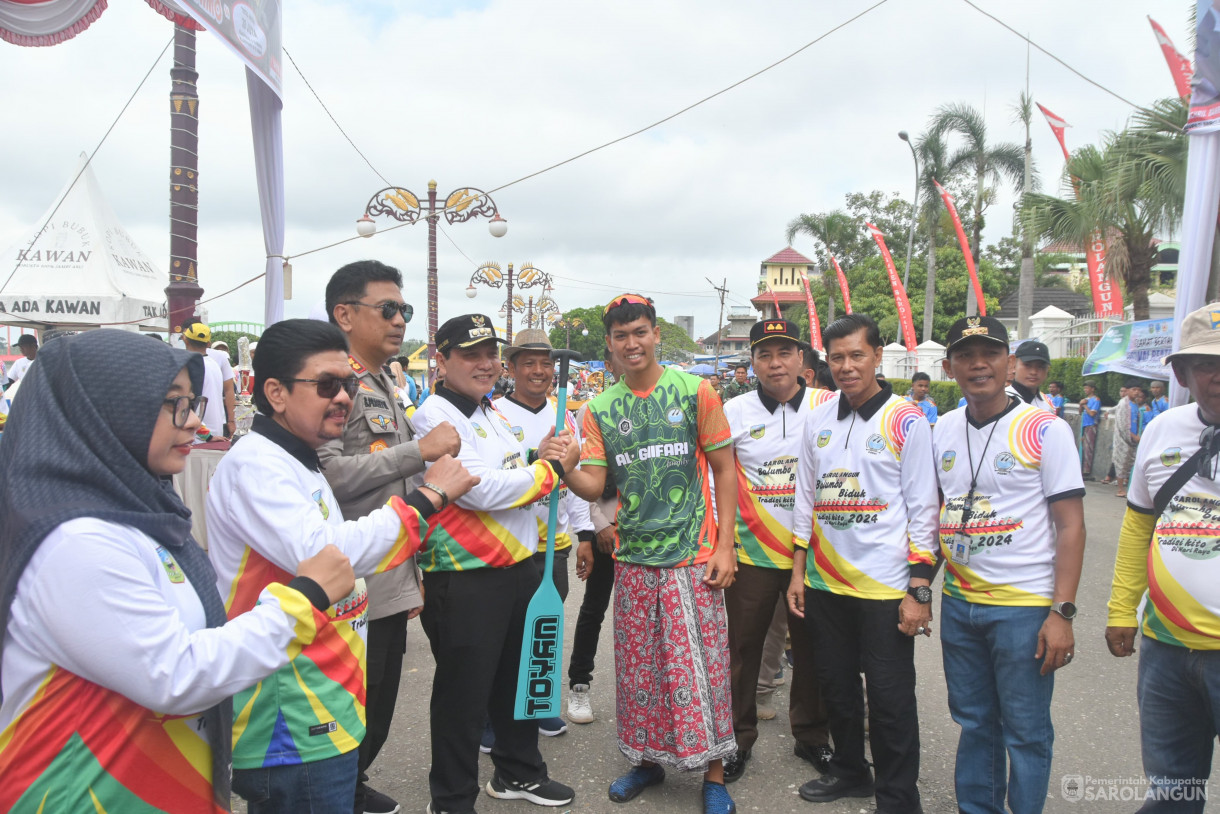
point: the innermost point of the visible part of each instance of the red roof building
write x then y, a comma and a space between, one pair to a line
779, 278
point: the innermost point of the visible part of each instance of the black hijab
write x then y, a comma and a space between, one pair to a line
76, 445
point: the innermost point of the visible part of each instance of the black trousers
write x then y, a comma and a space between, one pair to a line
850, 634
475, 621
559, 573
589, 620
750, 604
384, 649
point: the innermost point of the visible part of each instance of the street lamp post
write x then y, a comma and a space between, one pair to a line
568, 323
902, 134
463, 204
489, 274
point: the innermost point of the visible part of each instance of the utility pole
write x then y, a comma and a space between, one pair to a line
1028, 277
720, 323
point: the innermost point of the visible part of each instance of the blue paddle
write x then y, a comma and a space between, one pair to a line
538, 681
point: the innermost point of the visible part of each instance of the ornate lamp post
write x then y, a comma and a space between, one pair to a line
568, 323
460, 206
528, 276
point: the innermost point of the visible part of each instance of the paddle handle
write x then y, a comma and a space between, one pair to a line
564, 357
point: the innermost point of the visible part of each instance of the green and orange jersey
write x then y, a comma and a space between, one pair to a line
493, 525
104, 695
655, 443
267, 511
1173, 558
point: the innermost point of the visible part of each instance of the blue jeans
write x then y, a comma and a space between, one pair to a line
1002, 704
322, 787
1179, 700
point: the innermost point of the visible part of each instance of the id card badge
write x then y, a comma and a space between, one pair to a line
959, 550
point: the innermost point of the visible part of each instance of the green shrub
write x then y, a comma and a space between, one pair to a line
945, 394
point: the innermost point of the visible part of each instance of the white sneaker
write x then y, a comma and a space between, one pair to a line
580, 710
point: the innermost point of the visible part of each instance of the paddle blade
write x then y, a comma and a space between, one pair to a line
538, 681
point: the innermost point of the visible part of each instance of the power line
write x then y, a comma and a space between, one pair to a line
333, 119
88, 161
1092, 82
690, 107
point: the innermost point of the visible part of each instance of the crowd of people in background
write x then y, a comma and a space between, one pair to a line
808, 509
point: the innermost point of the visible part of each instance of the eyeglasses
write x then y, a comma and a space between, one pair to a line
388, 308
181, 408
628, 299
329, 387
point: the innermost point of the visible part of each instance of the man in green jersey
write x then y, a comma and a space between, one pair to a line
660, 431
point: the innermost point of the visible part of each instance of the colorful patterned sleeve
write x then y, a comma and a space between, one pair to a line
132, 641
714, 431
593, 450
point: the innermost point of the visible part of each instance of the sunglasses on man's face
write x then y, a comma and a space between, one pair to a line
627, 299
329, 386
388, 308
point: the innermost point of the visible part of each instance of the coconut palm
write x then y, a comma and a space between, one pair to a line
990, 162
934, 167
1128, 190
837, 233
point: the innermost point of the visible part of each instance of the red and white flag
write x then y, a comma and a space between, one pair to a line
1107, 296
815, 328
1058, 126
842, 285
779, 312
900, 293
1179, 65
965, 244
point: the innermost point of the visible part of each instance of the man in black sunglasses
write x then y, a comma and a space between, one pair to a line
378, 457
1168, 554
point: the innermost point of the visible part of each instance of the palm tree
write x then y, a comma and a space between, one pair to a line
838, 234
989, 162
1128, 190
934, 162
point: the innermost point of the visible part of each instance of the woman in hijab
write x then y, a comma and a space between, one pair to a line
117, 666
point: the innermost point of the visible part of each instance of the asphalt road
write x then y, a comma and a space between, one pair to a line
1096, 723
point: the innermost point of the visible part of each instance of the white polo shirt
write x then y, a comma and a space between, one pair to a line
866, 504
767, 436
1012, 536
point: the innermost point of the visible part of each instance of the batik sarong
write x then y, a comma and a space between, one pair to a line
671, 656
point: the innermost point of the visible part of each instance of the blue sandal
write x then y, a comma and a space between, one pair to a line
629, 786
716, 799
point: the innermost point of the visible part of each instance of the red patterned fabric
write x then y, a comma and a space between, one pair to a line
671, 656
172, 11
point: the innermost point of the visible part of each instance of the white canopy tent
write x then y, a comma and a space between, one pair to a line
83, 270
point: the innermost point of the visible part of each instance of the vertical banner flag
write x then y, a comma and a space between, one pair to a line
842, 285
1179, 65
1205, 97
965, 244
1107, 297
779, 312
251, 30
1058, 126
815, 329
900, 294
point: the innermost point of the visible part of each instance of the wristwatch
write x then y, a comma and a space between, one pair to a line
1065, 609
921, 594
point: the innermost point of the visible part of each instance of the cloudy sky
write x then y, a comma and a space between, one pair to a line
475, 93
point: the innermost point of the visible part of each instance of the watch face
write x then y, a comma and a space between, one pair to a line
1067, 610
923, 594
